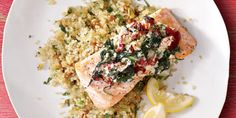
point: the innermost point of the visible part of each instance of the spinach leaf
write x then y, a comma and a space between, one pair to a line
97, 74
162, 29
121, 55
103, 54
106, 55
176, 49
131, 56
109, 44
164, 62
155, 41
126, 74
145, 46
132, 59
150, 43
113, 72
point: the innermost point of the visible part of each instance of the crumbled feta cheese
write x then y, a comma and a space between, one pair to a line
151, 69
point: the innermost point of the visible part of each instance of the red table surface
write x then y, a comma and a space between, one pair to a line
228, 11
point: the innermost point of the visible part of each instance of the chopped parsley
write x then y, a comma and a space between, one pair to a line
121, 19
66, 42
109, 44
107, 115
109, 9
80, 103
63, 29
140, 85
70, 10
67, 102
91, 13
48, 81
54, 47
66, 94
146, 2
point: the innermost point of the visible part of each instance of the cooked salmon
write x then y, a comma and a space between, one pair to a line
187, 42
98, 91
101, 93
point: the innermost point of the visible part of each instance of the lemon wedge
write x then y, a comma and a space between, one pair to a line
157, 111
173, 102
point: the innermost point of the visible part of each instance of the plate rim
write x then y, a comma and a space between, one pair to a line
2, 59
228, 56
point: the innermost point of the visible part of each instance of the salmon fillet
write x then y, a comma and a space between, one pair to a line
96, 90
105, 96
187, 42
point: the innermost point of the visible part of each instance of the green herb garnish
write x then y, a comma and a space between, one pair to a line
139, 86
121, 19
109, 44
119, 16
121, 56
148, 5
70, 10
91, 13
63, 29
66, 42
48, 81
107, 115
164, 62
67, 102
54, 47
97, 74
109, 9
121, 66
80, 103
106, 90
126, 74
66, 94
150, 44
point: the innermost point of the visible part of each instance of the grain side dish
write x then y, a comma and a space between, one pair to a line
119, 46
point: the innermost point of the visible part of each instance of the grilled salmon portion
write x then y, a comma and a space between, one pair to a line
102, 93
187, 42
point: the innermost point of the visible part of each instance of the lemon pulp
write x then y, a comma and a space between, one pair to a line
173, 102
157, 111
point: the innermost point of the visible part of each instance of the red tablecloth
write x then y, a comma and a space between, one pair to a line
228, 11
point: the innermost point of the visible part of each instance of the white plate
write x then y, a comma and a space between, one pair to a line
32, 99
